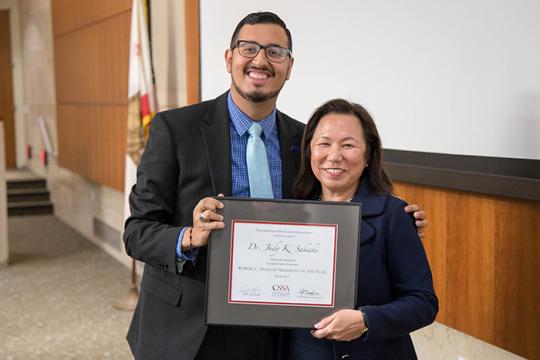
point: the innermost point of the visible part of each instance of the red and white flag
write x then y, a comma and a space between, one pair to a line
141, 94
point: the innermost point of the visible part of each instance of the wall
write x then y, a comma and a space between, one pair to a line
169, 55
7, 113
91, 49
456, 77
37, 65
485, 257
18, 90
91, 46
4, 246
79, 201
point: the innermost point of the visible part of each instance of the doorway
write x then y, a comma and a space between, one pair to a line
6, 90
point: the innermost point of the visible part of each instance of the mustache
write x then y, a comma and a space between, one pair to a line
266, 69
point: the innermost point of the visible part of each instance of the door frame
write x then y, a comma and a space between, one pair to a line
18, 80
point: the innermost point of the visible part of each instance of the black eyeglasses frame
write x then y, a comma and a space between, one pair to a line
264, 47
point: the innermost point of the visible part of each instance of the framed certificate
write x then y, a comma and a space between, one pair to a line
282, 263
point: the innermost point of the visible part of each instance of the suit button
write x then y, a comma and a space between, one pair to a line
346, 356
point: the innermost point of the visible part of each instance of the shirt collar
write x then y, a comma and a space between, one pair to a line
242, 122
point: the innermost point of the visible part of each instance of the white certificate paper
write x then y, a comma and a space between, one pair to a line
282, 263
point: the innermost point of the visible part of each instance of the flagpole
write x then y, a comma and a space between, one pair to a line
142, 105
130, 301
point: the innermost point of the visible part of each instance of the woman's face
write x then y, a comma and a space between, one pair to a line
338, 153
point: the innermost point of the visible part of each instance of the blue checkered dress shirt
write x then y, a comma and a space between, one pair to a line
240, 123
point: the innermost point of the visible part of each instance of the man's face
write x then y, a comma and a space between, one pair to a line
257, 80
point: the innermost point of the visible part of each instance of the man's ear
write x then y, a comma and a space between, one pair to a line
291, 63
228, 60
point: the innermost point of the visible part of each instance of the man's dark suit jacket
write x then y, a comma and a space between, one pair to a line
395, 286
188, 157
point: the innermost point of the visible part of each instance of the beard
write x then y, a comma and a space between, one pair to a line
256, 96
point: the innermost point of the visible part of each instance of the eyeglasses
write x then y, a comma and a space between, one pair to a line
250, 49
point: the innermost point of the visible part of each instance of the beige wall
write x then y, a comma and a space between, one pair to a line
37, 65
168, 44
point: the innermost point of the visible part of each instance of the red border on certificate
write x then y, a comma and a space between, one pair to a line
231, 267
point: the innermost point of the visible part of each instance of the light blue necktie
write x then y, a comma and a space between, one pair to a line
260, 185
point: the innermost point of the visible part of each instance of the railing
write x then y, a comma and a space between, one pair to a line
45, 136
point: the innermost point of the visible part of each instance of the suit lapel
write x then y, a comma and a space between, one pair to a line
217, 144
289, 142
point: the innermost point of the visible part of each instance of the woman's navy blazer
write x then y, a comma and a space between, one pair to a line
395, 287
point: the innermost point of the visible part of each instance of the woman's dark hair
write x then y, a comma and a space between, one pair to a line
261, 18
306, 185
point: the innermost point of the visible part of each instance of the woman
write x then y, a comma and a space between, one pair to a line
342, 161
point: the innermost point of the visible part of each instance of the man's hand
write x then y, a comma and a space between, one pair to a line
343, 325
205, 219
420, 217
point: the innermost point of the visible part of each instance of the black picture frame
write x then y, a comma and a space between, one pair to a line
347, 218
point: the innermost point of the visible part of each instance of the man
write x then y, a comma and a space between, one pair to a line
192, 153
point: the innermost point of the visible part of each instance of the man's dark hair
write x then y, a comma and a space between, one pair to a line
307, 186
261, 18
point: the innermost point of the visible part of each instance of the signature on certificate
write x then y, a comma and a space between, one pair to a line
308, 293
250, 291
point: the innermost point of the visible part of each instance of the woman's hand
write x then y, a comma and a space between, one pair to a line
205, 219
343, 325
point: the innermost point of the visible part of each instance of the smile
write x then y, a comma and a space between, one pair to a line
257, 75
334, 171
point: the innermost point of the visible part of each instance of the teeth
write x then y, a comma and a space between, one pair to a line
335, 171
257, 75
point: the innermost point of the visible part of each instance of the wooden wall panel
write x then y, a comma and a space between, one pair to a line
91, 63
484, 252
469, 265
192, 51
70, 15
97, 157
7, 112
517, 272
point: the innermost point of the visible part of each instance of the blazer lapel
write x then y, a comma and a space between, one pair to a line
372, 205
217, 144
289, 142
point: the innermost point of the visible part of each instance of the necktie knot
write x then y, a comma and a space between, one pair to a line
255, 130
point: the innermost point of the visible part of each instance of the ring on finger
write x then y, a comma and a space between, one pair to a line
202, 218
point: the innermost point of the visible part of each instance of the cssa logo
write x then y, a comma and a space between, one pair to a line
281, 288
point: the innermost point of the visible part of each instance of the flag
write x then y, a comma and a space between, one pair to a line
142, 102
